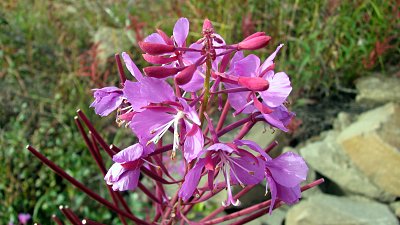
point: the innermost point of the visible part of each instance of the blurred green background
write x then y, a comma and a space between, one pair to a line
52, 53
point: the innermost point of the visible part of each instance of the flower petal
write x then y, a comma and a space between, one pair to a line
246, 67
130, 65
279, 89
181, 31
127, 181
128, 154
289, 195
279, 118
193, 144
192, 179
288, 169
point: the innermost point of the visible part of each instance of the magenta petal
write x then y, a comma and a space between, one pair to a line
247, 170
155, 38
246, 67
145, 124
130, 65
127, 181
130, 153
156, 90
238, 101
289, 195
220, 146
192, 179
114, 173
269, 61
190, 112
254, 146
181, 31
279, 89
133, 95
195, 84
288, 169
279, 118
106, 100
24, 218
193, 144
273, 189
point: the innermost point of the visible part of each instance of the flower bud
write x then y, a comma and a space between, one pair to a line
165, 37
160, 71
254, 83
254, 43
257, 34
185, 75
158, 59
155, 48
207, 26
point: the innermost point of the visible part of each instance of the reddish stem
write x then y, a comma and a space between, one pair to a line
221, 208
56, 220
82, 187
222, 118
257, 206
121, 71
148, 193
91, 222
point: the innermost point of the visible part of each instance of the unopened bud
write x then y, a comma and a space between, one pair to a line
256, 34
207, 26
155, 48
158, 59
160, 72
165, 37
254, 83
185, 75
254, 43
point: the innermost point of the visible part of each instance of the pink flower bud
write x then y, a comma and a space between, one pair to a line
155, 48
207, 26
160, 72
165, 37
254, 83
254, 43
186, 75
158, 59
257, 34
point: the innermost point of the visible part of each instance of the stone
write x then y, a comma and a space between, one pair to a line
372, 143
327, 157
378, 89
325, 209
395, 207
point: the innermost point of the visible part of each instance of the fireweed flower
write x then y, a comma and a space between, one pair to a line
125, 172
273, 98
237, 166
24, 218
107, 99
151, 124
283, 173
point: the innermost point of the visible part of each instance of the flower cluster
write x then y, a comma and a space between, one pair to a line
174, 99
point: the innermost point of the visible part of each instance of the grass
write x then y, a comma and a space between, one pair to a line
329, 44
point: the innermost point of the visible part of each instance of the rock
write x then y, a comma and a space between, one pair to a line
342, 121
111, 41
328, 158
378, 89
372, 143
395, 207
328, 210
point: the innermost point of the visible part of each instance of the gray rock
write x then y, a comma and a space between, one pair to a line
328, 158
378, 89
372, 143
331, 210
395, 207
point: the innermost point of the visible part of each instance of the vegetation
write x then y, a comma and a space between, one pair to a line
45, 47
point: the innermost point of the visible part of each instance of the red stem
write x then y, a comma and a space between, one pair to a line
148, 193
91, 222
82, 187
221, 208
222, 118
257, 206
121, 71
95, 133
56, 220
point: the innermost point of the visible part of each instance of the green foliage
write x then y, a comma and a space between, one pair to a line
328, 44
